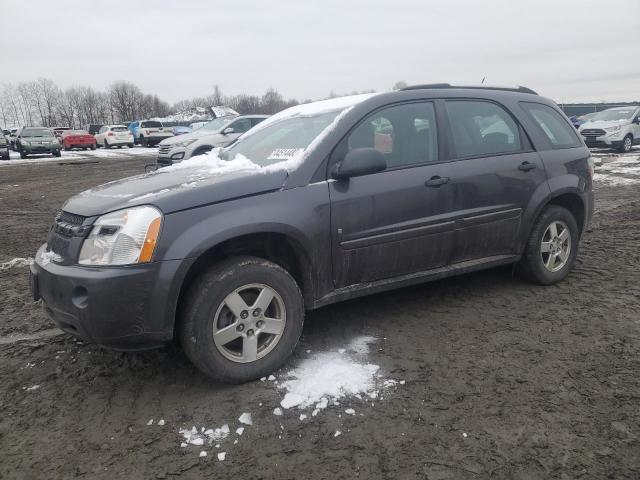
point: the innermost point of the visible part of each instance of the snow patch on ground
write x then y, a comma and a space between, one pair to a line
16, 262
330, 376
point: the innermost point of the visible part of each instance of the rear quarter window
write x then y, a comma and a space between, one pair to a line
557, 129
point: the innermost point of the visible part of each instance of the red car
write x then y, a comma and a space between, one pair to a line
78, 139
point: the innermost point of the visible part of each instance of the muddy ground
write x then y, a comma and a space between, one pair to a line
503, 379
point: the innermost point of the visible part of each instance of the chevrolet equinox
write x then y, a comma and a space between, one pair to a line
320, 203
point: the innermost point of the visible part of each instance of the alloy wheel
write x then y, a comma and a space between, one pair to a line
249, 323
555, 248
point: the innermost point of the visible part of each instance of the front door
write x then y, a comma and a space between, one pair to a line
398, 221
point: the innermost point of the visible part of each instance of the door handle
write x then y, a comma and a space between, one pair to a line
436, 181
526, 166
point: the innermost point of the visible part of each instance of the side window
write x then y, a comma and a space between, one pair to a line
241, 126
256, 121
481, 128
555, 127
405, 134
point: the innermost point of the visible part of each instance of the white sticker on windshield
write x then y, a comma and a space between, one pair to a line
284, 153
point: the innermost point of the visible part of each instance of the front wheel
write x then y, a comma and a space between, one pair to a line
627, 144
552, 247
57, 153
241, 319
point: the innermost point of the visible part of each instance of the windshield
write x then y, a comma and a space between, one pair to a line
119, 129
609, 115
280, 140
36, 132
151, 124
75, 132
216, 125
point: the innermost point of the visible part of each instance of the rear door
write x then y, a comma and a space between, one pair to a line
493, 177
398, 221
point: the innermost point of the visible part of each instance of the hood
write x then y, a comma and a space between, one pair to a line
173, 189
187, 136
604, 123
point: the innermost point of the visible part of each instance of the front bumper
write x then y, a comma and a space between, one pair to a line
168, 155
34, 149
602, 142
125, 308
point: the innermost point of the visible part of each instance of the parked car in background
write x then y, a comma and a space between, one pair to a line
6, 132
4, 148
114, 136
93, 128
57, 131
37, 140
216, 133
149, 132
617, 128
78, 139
180, 130
313, 209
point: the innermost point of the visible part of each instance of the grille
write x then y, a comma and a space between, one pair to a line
66, 217
164, 148
593, 132
65, 226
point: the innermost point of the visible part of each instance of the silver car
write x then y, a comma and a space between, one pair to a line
617, 128
216, 133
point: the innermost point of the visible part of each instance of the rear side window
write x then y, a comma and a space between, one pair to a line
481, 128
557, 129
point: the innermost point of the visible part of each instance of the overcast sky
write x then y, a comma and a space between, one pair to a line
570, 50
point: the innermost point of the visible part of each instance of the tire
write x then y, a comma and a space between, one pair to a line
131, 145
22, 152
144, 142
93, 147
627, 144
535, 264
57, 153
205, 309
106, 145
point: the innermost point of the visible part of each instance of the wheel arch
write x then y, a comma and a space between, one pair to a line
278, 247
569, 198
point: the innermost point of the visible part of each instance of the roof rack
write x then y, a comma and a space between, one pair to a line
482, 87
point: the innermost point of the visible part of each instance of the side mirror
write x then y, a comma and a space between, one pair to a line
358, 162
637, 120
228, 130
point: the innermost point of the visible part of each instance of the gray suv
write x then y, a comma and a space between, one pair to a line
320, 203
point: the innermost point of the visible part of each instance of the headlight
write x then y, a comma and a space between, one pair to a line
123, 237
613, 129
185, 143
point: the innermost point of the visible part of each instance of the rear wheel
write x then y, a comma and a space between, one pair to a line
144, 142
627, 144
106, 145
131, 145
552, 247
93, 147
57, 153
241, 319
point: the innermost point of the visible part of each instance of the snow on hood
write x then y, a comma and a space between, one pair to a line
201, 179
